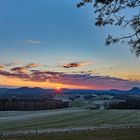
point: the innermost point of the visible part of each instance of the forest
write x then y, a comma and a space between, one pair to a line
31, 104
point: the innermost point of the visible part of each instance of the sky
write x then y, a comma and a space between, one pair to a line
45, 43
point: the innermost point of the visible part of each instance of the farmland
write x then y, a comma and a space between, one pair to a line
65, 118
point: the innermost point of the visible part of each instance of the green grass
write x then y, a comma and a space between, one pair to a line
80, 103
126, 134
65, 118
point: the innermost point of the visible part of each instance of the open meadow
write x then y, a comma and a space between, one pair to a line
65, 118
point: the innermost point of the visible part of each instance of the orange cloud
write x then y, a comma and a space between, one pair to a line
74, 80
1, 67
31, 65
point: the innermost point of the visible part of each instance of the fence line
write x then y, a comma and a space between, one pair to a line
37, 131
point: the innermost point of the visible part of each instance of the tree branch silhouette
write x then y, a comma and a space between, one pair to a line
111, 12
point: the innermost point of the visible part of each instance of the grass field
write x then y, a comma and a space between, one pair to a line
25, 120
126, 134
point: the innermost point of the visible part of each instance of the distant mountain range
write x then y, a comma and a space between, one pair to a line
134, 90
26, 92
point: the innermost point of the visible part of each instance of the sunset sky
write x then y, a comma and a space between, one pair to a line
51, 43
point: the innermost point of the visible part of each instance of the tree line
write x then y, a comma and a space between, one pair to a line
28, 104
127, 104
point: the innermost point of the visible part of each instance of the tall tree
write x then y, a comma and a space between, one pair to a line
112, 12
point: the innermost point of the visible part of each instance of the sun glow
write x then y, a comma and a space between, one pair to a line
58, 87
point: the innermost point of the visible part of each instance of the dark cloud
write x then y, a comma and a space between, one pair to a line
15, 75
5, 73
75, 64
24, 69
81, 79
71, 65
19, 69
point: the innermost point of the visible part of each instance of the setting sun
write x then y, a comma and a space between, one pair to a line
58, 87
